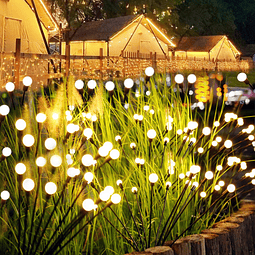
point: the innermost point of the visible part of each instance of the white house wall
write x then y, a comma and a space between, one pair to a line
143, 40
17, 20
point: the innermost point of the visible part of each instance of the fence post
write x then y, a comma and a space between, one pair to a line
67, 59
154, 61
101, 52
17, 62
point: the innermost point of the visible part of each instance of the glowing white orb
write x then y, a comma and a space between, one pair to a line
50, 188
20, 124
209, 175
115, 198
153, 178
231, 188
92, 84
28, 140
134, 189
149, 71
104, 196
6, 152
40, 117
27, 81
128, 83
50, 144
109, 190
87, 160
4, 109
228, 144
20, 168
202, 194
10, 86
114, 154
206, 131
191, 78
88, 133
79, 84
40, 161
88, 205
55, 160
179, 78
28, 184
109, 85
88, 177
151, 134
5, 195
241, 77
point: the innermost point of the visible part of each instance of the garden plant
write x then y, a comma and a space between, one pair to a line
112, 167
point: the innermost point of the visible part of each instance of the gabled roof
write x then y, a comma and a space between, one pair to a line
105, 30
44, 14
102, 30
198, 43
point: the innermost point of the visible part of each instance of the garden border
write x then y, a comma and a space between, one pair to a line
234, 235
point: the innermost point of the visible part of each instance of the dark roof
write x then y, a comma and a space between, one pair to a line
103, 29
198, 43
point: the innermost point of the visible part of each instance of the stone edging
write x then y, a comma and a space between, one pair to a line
234, 235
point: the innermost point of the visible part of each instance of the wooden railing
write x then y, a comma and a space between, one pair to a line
44, 67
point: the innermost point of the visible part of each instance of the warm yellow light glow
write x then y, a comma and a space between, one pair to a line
182, 176
218, 139
216, 123
40, 161
55, 116
192, 125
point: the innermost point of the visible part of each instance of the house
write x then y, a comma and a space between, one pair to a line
18, 20
213, 48
118, 35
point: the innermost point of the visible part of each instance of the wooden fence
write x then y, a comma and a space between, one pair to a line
42, 67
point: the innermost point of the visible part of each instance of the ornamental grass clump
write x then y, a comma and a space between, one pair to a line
73, 151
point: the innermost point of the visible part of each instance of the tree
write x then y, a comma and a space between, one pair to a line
207, 17
73, 13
